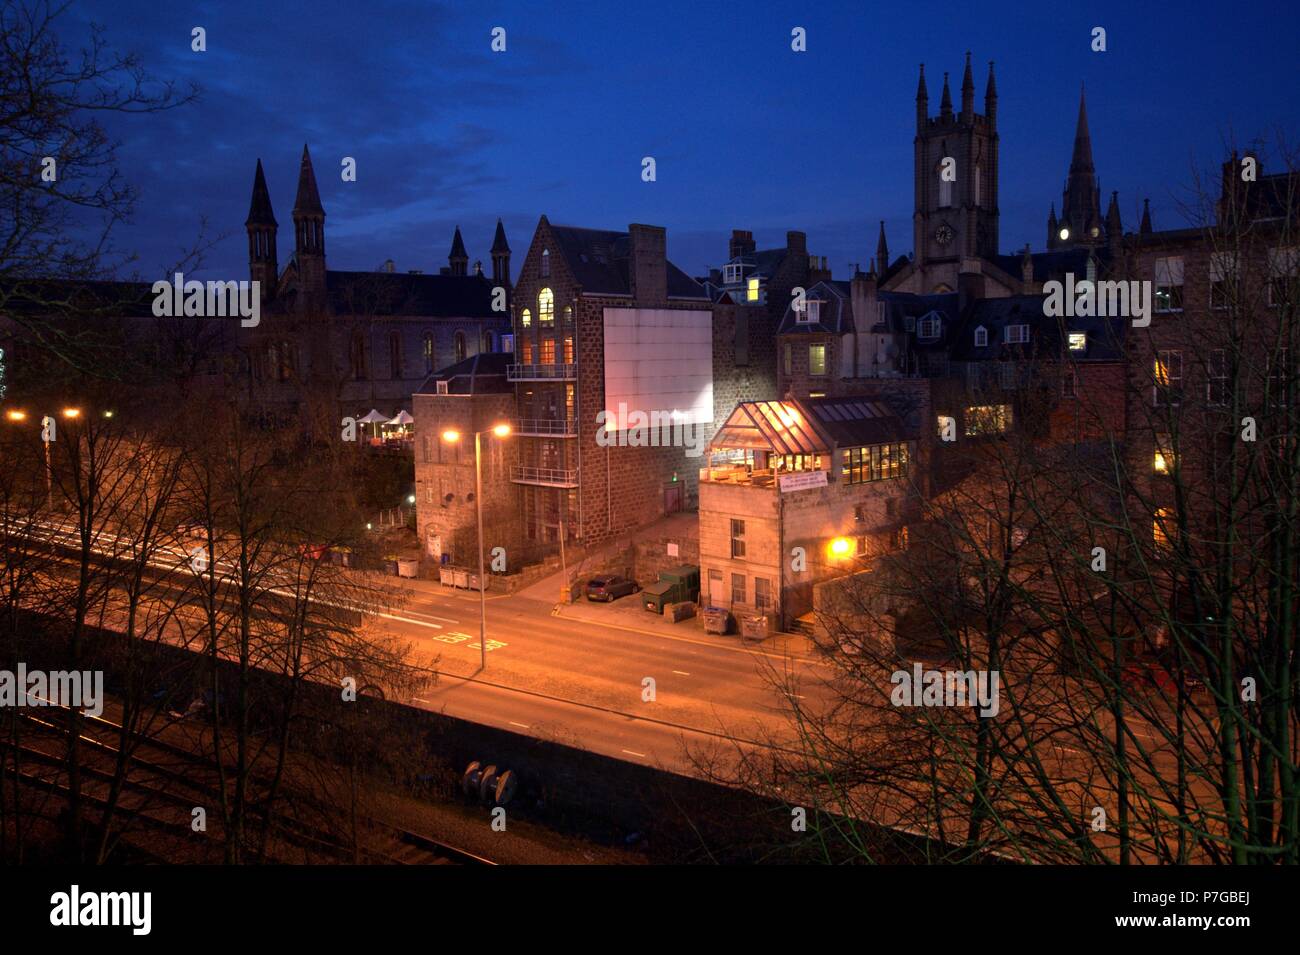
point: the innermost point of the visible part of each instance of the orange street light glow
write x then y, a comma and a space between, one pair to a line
71, 412
16, 415
501, 430
450, 435
841, 546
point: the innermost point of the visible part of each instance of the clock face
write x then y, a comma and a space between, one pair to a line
943, 235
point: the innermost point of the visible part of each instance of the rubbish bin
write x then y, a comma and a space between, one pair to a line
753, 627
407, 567
658, 595
446, 576
717, 620
677, 612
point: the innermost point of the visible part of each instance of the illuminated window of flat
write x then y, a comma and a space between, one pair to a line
526, 318
816, 359
1078, 341
753, 290
548, 351
1162, 461
1162, 530
987, 419
546, 306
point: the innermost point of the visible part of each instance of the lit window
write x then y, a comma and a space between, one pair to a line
816, 360
548, 351
987, 419
753, 291
1078, 341
545, 306
568, 314
526, 318
1168, 374
1162, 528
1162, 461
1169, 284
877, 462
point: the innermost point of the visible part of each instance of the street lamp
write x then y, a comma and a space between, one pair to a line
451, 436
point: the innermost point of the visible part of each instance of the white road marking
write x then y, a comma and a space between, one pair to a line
630, 753
431, 616
523, 725
418, 623
681, 673
418, 700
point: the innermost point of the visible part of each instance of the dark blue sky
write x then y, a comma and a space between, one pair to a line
746, 133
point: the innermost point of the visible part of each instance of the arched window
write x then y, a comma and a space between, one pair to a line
546, 263
525, 318
945, 189
568, 314
487, 341
357, 356
546, 306
395, 354
426, 346
942, 289
461, 354
979, 186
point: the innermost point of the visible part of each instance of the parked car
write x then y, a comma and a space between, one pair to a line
607, 587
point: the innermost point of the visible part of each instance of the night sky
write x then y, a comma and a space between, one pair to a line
746, 133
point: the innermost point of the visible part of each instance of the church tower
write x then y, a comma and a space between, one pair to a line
309, 236
261, 226
1080, 223
956, 174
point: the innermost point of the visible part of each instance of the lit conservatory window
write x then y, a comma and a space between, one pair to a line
546, 306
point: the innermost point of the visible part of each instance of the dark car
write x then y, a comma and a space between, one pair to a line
609, 587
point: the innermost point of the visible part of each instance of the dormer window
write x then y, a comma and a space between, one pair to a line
733, 273
929, 327
810, 313
981, 337
1017, 334
442, 387
753, 290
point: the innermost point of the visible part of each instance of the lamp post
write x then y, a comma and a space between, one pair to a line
451, 436
47, 422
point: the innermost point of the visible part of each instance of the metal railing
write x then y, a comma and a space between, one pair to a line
554, 372
546, 427
545, 477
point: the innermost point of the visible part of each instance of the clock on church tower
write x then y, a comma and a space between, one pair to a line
944, 234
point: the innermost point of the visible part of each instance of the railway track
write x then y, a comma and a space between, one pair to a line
165, 781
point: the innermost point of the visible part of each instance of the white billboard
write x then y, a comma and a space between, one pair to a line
658, 364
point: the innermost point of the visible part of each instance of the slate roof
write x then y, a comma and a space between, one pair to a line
598, 259
835, 316
481, 374
1047, 334
401, 293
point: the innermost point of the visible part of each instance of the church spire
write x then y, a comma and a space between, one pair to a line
1082, 159
967, 93
458, 257
991, 98
945, 103
1145, 228
922, 101
500, 256
309, 235
1081, 199
261, 226
882, 250
307, 201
